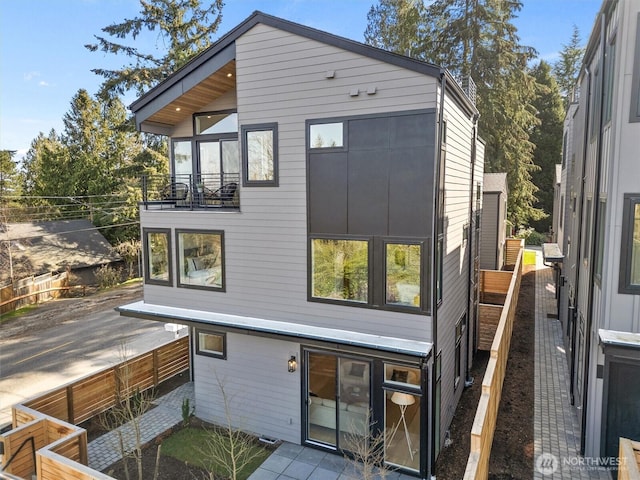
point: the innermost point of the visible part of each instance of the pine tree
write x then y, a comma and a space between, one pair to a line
547, 137
477, 38
566, 69
186, 27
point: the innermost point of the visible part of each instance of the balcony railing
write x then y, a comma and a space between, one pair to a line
191, 191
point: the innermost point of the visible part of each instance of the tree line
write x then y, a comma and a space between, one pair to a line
92, 168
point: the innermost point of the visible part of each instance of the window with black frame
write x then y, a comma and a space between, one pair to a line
260, 155
157, 247
200, 259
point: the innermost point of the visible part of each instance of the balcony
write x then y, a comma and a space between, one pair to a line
191, 192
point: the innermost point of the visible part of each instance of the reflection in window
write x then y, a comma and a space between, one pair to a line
401, 374
200, 259
211, 344
182, 160
326, 135
260, 154
158, 249
340, 269
211, 123
402, 429
635, 249
403, 274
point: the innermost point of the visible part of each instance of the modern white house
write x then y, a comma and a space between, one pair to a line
319, 235
599, 233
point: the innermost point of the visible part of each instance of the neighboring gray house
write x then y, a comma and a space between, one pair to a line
54, 246
493, 234
305, 237
600, 233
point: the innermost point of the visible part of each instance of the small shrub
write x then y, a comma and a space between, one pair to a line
531, 237
107, 276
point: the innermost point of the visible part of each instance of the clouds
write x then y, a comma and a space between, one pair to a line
34, 75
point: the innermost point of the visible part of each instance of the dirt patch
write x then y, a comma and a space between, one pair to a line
54, 312
512, 449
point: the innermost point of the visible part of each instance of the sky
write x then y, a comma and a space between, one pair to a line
43, 61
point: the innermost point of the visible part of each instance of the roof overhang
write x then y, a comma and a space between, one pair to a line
204, 78
613, 338
301, 332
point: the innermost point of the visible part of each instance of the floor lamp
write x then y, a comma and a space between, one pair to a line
403, 400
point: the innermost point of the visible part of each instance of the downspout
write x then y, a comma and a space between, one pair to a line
434, 247
594, 242
471, 246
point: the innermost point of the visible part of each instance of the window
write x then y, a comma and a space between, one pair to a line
200, 259
630, 248
402, 375
460, 326
211, 344
340, 269
326, 135
260, 154
439, 269
182, 161
609, 66
403, 274
587, 232
157, 247
600, 239
595, 106
634, 111
215, 122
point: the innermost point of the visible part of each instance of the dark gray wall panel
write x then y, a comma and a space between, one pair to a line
410, 192
413, 131
328, 192
370, 133
368, 192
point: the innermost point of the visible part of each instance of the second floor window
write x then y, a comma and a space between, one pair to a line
200, 259
260, 155
340, 269
157, 247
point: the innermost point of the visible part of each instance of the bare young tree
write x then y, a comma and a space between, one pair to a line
227, 448
125, 417
366, 447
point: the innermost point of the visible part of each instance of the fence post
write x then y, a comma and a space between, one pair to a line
70, 410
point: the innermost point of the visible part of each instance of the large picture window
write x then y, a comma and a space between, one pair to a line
157, 247
630, 248
403, 263
200, 259
260, 154
340, 269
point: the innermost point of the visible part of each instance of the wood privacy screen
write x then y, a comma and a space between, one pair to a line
48, 420
629, 460
484, 423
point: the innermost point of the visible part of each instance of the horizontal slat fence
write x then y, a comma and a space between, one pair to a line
484, 423
91, 395
61, 447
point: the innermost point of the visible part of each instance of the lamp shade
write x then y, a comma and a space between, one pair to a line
400, 398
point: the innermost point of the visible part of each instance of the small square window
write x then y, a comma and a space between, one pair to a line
211, 344
326, 135
157, 248
260, 154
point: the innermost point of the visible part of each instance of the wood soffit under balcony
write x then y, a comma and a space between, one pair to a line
197, 97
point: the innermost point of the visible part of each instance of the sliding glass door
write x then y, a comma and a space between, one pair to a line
338, 399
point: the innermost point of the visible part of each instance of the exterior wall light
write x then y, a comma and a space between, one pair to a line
292, 364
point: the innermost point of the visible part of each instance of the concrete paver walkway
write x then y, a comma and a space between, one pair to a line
555, 426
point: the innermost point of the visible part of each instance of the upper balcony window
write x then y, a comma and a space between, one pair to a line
340, 269
326, 135
215, 123
260, 155
200, 259
157, 248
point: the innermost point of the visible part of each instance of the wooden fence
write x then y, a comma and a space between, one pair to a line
56, 447
28, 291
629, 460
484, 423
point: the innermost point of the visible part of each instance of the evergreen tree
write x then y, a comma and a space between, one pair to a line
547, 137
477, 38
186, 27
9, 175
567, 68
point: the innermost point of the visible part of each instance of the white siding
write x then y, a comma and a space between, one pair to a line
281, 78
255, 379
